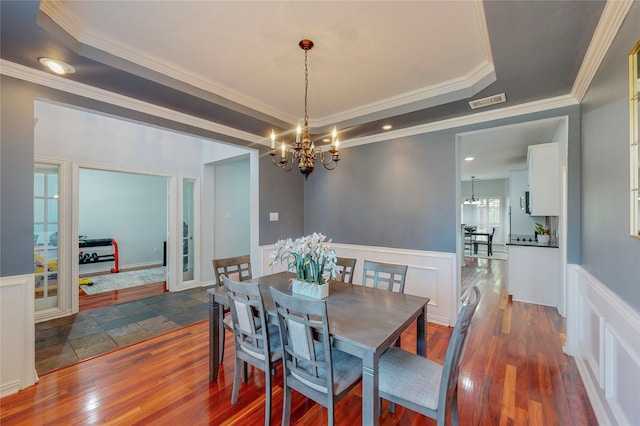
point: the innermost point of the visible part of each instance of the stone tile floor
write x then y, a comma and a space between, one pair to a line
67, 340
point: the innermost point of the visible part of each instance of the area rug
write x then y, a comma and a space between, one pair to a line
120, 280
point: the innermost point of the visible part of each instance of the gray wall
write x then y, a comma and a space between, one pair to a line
279, 191
399, 193
16, 178
283, 193
389, 194
402, 193
608, 252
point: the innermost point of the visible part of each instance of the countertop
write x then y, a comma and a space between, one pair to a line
529, 241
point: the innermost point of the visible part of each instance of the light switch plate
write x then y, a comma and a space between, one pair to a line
273, 216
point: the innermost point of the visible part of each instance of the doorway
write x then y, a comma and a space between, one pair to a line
122, 230
501, 153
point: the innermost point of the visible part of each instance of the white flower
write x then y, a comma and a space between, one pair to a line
310, 256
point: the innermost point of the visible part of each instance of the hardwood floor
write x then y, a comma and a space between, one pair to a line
513, 372
92, 301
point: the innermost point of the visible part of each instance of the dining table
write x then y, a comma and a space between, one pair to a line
363, 322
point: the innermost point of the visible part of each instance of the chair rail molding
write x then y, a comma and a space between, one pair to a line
430, 274
17, 334
603, 334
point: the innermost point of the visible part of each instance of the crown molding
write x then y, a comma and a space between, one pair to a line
63, 17
484, 31
42, 78
481, 117
612, 17
60, 83
448, 91
97, 40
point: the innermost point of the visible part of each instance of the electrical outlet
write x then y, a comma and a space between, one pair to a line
273, 216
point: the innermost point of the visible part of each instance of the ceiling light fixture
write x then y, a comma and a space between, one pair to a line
303, 149
468, 159
473, 199
387, 127
56, 66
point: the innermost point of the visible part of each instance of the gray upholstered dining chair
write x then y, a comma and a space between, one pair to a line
347, 267
423, 385
236, 268
311, 365
255, 344
388, 276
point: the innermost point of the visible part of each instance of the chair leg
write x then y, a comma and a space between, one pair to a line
236, 381
330, 414
267, 403
286, 406
222, 332
454, 411
245, 372
398, 343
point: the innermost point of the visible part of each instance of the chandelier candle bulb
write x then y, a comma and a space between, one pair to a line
298, 131
283, 150
273, 140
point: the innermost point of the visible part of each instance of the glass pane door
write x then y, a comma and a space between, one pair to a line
188, 186
45, 235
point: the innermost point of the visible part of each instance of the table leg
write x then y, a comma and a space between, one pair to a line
421, 340
214, 338
370, 393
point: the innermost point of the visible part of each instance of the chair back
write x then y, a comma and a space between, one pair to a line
235, 268
449, 381
247, 311
347, 268
388, 276
306, 345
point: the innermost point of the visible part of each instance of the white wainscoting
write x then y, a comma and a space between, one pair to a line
17, 334
430, 274
603, 333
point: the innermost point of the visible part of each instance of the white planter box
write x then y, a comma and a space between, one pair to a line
312, 290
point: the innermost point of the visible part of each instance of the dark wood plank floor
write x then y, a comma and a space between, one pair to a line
513, 372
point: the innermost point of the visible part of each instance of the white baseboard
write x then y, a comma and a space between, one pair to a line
17, 333
430, 274
603, 333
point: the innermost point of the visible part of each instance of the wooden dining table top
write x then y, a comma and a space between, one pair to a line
363, 316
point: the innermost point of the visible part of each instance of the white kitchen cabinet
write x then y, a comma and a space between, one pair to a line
534, 274
544, 179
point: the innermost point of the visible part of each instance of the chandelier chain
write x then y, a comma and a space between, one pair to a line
306, 88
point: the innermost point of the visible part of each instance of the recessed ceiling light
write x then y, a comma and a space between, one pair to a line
468, 159
56, 66
387, 127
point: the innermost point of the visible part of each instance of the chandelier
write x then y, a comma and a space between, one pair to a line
473, 199
303, 151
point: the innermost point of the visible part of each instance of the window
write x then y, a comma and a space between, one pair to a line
485, 215
45, 235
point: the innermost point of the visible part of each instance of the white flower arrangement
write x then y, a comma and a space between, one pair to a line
311, 257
